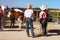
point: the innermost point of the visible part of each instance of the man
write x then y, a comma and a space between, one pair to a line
1, 12
43, 16
6, 11
28, 14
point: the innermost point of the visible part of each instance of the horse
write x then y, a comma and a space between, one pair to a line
3, 7
15, 14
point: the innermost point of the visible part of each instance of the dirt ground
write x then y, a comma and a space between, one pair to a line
53, 30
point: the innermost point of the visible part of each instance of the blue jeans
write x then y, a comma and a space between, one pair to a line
29, 22
44, 26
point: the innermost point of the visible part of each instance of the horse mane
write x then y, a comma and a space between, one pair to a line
18, 10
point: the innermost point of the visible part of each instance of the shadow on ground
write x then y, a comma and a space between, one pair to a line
53, 32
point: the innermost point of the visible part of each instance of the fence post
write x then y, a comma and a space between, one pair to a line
37, 15
57, 17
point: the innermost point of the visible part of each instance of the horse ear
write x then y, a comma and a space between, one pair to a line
12, 10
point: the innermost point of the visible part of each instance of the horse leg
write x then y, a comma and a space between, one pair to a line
11, 23
20, 24
19, 20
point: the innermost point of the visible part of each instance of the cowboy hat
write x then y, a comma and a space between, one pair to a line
29, 6
43, 7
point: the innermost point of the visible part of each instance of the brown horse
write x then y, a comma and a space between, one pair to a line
16, 14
